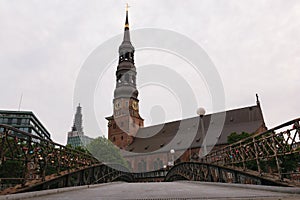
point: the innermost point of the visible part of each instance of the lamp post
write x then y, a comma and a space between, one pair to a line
172, 151
201, 113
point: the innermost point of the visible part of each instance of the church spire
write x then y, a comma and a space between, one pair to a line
126, 21
126, 50
126, 120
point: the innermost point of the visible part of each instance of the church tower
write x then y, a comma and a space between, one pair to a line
126, 120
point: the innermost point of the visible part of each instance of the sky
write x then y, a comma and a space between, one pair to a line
254, 46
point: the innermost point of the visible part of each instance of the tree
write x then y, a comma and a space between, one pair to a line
104, 150
234, 137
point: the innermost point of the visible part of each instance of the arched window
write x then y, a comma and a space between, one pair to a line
155, 165
129, 164
160, 163
127, 78
144, 165
140, 169
126, 56
122, 137
119, 78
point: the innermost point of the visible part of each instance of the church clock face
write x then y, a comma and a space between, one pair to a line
134, 105
117, 105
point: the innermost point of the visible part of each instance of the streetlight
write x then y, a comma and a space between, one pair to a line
201, 113
172, 151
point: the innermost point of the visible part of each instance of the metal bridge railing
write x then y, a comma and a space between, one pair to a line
25, 157
266, 147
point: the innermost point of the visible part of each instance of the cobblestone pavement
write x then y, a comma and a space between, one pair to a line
172, 190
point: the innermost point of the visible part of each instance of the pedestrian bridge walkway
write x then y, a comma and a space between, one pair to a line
163, 190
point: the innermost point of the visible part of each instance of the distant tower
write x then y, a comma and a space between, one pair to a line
126, 120
78, 120
76, 136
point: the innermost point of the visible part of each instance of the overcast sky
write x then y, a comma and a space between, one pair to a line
255, 46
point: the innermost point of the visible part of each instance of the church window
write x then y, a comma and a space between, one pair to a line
140, 167
114, 139
119, 78
131, 79
122, 137
126, 56
155, 165
129, 164
144, 165
127, 78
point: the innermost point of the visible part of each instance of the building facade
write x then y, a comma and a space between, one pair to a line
25, 121
155, 147
76, 136
183, 140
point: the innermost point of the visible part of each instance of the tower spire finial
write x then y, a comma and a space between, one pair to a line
126, 21
257, 99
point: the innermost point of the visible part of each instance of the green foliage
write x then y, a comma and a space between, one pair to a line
234, 137
82, 149
103, 149
7, 166
290, 162
78, 148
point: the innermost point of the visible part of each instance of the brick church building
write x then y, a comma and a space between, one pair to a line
155, 147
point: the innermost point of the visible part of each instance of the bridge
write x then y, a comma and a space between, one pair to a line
40, 164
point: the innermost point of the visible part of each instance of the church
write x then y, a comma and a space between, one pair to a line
155, 147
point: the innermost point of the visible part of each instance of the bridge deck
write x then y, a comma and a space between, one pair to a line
170, 190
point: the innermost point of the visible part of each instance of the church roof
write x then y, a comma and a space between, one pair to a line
184, 133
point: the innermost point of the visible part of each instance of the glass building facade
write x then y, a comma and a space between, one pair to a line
77, 140
25, 121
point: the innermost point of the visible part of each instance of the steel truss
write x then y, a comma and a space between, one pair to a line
264, 148
194, 171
